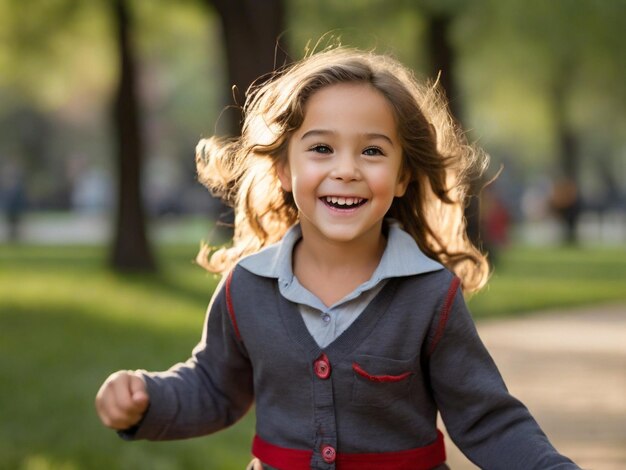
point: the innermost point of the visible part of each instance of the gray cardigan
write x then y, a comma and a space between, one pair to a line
375, 390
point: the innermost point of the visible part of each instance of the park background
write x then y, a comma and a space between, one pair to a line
103, 102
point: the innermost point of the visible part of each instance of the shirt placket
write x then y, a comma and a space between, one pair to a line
324, 451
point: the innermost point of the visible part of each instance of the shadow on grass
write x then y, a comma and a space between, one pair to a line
52, 365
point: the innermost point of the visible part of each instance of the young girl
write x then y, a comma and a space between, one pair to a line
341, 312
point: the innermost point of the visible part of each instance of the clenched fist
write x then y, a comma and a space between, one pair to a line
122, 400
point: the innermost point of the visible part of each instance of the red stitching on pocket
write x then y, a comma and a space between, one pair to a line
379, 378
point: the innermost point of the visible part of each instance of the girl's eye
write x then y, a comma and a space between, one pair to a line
321, 148
372, 151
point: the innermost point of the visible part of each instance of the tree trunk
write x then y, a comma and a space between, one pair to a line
131, 250
253, 38
566, 192
443, 59
251, 30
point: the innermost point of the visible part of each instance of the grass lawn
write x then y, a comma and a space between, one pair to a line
529, 279
66, 322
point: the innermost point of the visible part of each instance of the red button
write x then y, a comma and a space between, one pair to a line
322, 367
329, 454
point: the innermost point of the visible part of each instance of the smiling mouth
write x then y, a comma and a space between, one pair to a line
340, 202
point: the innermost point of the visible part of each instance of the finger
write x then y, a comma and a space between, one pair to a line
255, 464
139, 394
122, 391
108, 400
131, 401
115, 405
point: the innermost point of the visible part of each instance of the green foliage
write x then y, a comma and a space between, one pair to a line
66, 323
388, 27
516, 58
59, 66
181, 58
60, 70
52, 50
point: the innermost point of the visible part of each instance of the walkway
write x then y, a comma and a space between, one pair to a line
569, 368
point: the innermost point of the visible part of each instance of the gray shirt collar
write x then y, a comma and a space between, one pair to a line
402, 257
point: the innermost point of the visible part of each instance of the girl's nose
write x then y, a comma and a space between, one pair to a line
346, 168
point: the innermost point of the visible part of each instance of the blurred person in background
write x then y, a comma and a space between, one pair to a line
12, 197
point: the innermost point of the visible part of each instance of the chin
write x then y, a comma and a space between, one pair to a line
342, 236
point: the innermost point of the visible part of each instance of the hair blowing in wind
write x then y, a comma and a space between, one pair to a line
437, 159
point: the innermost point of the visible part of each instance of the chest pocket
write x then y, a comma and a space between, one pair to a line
379, 381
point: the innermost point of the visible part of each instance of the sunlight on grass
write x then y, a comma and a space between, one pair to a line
40, 462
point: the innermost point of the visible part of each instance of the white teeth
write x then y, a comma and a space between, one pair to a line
343, 201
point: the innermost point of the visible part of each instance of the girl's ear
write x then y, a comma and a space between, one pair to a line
284, 175
403, 183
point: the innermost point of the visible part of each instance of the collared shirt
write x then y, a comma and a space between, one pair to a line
402, 257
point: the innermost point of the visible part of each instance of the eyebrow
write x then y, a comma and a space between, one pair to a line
324, 132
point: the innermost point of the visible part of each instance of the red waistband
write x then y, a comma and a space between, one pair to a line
420, 458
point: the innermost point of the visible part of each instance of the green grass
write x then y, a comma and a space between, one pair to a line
66, 322
535, 279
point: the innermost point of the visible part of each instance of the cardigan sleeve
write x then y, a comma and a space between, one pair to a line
209, 392
492, 428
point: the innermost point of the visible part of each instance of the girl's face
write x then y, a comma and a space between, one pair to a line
344, 164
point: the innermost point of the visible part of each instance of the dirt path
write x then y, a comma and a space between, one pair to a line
569, 368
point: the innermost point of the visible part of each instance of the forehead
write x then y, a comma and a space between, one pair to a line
350, 107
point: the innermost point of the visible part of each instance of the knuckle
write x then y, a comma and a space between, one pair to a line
118, 420
118, 376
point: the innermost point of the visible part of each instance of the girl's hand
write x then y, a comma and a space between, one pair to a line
255, 465
122, 400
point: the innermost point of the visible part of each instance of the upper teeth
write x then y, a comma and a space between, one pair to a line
343, 201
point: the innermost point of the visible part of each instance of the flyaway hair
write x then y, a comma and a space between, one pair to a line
437, 159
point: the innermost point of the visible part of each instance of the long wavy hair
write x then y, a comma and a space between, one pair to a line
440, 163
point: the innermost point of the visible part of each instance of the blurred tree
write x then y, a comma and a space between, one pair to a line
510, 76
443, 57
559, 33
253, 34
554, 71
566, 198
561, 39
387, 26
31, 43
254, 44
440, 18
131, 249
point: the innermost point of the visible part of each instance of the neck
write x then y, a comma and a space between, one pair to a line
356, 258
